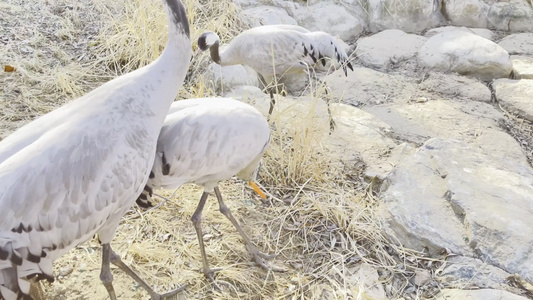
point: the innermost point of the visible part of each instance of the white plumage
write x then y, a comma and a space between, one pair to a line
204, 141
74, 172
275, 50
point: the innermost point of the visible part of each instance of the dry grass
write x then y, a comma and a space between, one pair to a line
319, 220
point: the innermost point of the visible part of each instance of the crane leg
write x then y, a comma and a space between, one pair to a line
105, 273
332, 124
270, 90
197, 222
272, 102
109, 256
258, 256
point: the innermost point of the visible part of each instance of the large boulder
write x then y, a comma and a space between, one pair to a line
467, 54
511, 15
331, 18
366, 86
522, 66
382, 50
515, 96
410, 16
518, 43
368, 136
456, 87
471, 13
471, 273
482, 32
470, 199
267, 15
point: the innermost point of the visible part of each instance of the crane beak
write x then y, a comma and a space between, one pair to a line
198, 50
257, 189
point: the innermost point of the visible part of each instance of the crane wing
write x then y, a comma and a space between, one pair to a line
274, 51
60, 189
216, 138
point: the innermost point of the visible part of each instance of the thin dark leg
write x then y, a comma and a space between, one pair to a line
110, 256
197, 222
105, 273
270, 91
258, 256
331, 121
272, 102
332, 124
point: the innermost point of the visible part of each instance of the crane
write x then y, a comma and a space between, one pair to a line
204, 141
73, 172
275, 50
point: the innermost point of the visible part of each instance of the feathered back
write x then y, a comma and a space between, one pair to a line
207, 140
74, 172
278, 49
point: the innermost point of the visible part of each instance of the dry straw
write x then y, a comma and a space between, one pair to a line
320, 219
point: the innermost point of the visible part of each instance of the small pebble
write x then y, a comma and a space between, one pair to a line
64, 271
82, 267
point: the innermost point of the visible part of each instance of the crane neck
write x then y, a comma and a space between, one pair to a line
172, 65
177, 17
228, 57
215, 53
178, 25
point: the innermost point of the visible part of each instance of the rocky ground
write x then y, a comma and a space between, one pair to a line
434, 124
442, 121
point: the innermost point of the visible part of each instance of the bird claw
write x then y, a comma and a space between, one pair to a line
266, 256
208, 273
260, 258
169, 295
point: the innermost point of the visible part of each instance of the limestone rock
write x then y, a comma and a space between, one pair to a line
251, 95
289, 6
471, 273
515, 96
365, 86
512, 15
518, 43
294, 83
452, 86
483, 32
226, 77
419, 121
486, 294
368, 136
389, 47
472, 13
267, 15
410, 16
438, 30
471, 200
522, 66
331, 18
467, 54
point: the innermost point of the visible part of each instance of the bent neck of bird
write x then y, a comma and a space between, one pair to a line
229, 56
168, 71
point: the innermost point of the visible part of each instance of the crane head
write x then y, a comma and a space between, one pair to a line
207, 39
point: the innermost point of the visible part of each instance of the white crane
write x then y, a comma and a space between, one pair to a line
275, 50
75, 171
204, 141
